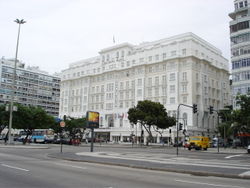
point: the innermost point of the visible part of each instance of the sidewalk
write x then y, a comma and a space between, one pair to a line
166, 162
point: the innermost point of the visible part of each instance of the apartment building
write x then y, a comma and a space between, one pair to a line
181, 69
240, 47
33, 86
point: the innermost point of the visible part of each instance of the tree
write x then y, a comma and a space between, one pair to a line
242, 115
75, 126
226, 115
29, 118
148, 114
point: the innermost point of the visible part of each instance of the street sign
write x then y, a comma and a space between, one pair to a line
62, 124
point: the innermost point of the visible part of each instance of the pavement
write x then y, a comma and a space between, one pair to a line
156, 161
167, 162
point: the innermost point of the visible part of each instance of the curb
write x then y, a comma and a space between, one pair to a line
195, 173
24, 147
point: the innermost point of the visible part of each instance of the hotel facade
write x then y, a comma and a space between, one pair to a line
182, 69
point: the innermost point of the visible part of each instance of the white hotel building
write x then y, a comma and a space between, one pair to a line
180, 69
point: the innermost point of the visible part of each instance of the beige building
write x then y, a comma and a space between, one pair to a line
181, 69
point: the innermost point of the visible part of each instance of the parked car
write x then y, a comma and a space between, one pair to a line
248, 149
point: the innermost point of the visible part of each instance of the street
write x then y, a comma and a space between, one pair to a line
33, 168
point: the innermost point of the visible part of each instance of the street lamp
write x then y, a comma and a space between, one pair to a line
19, 22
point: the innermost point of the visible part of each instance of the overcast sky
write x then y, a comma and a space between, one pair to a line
59, 32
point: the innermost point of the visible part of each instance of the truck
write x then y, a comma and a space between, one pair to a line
198, 142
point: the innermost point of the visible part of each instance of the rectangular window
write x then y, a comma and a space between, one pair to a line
184, 88
150, 58
149, 92
121, 85
184, 76
172, 88
139, 82
156, 92
184, 100
127, 84
172, 100
164, 80
121, 95
127, 94
173, 53
172, 77
164, 91
139, 92
149, 82
164, 55
157, 57
156, 80
241, 4
150, 69
184, 51
164, 67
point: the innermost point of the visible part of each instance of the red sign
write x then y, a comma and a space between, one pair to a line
62, 124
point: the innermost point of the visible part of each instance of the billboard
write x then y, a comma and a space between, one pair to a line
92, 119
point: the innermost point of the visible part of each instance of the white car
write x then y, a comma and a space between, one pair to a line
248, 149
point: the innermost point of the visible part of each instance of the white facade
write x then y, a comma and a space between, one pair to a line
240, 47
181, 69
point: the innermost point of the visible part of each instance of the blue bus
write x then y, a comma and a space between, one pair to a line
42, 136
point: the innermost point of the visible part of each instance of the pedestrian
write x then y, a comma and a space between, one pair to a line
5, 138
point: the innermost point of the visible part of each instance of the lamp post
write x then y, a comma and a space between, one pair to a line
19, 22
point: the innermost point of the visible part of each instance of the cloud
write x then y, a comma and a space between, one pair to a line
58, 32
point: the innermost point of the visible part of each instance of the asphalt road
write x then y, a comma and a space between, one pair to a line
33, 168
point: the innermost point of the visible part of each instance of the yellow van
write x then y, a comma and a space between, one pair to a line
198, 142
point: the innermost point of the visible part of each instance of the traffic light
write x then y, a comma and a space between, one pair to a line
194, 108
180, 126
211, 109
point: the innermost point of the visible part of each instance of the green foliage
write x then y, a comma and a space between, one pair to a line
225, 129
30, 117
148, 114
75, 125
27, 118
242, 115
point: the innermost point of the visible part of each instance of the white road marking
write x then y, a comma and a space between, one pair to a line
231, 156
78, 167
201, 183
170, 161
247, 173
14, 167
